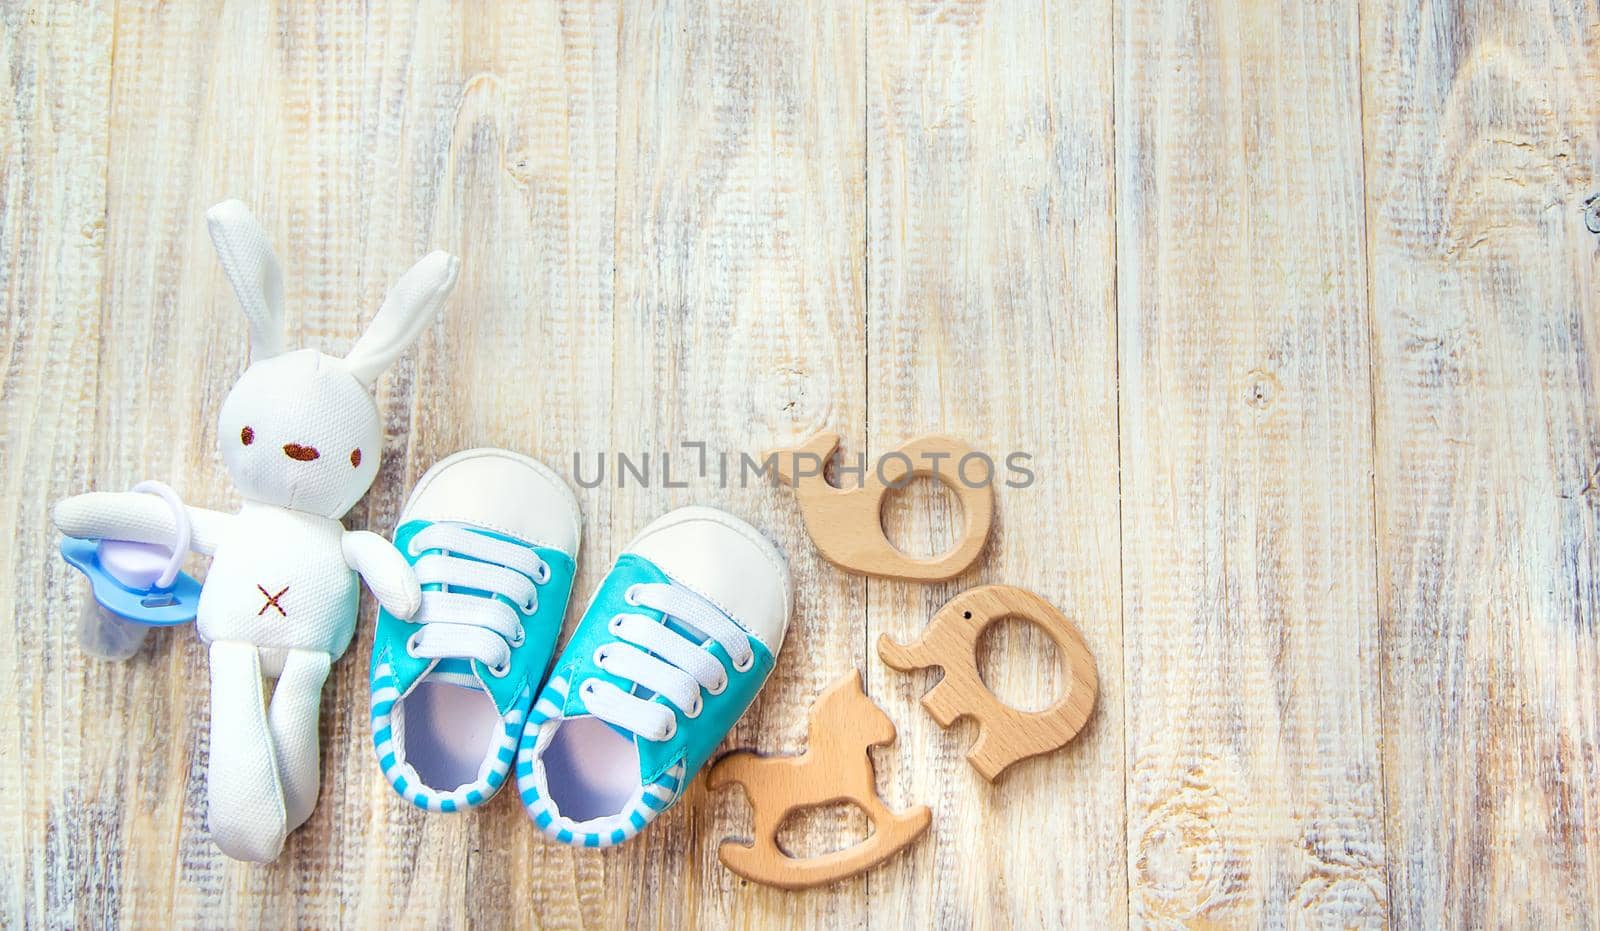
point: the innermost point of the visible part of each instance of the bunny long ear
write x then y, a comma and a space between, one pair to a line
252, 268
406, 312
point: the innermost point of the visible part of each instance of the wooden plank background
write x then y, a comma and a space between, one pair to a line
1293, 304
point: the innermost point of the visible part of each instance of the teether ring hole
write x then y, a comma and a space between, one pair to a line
923, 518
818, 830
1019, 663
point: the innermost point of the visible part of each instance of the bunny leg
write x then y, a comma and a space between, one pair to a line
296, 702
244, 802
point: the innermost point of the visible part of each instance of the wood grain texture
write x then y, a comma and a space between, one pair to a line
739, 305
1254, 790
836, 766
1291, 305
1006, 734
845, 520
991, 318
1482, 146
63, 828
514, 106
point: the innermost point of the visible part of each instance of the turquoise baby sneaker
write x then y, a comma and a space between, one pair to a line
492, 537
677, 641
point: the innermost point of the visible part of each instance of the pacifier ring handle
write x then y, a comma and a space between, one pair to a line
180, 517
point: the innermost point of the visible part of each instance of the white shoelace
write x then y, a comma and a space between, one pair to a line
463, 625
655, 657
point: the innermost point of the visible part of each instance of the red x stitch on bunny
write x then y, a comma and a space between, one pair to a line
272, 600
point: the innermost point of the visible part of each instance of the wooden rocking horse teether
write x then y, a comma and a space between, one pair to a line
1005, 735
835, 767
846, 524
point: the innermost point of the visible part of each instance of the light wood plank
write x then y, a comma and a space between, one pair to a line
739, 309
991, 293
1344, 605
63, 824
362, 137
529, 141
1254, 788
248, 101
1481, 139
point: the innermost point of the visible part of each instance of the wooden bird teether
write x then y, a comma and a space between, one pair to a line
835, 767
1005, 735
846, 524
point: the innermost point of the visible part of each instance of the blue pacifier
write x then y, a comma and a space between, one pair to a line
136, 586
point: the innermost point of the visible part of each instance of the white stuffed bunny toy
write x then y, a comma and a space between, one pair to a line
300, 438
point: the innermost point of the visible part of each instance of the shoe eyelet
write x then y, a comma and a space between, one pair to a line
749, 663
615, 624
544, 574
600, 657
500, 672
411, 645
699, 706
631, 596
521, 637
587, 688
721, 686
672, 730
529, 606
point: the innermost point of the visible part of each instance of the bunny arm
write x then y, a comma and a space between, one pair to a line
135, 516
384, 570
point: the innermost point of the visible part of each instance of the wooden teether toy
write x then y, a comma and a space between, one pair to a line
834, 768
1005, 735
846, 524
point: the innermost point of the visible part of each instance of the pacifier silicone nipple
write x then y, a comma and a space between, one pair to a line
137, 567
105, 635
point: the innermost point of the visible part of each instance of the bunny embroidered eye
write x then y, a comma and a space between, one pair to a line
355, 458
247, 436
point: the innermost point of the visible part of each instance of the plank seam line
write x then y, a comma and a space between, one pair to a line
1116, 383
1381, 658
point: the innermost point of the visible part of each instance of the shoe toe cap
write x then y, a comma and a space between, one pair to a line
726, 560
501, 491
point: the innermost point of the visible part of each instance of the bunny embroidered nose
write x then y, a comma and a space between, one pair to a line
300, 453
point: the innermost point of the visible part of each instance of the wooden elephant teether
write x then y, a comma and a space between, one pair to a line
846, 524
1005, 735
835, 767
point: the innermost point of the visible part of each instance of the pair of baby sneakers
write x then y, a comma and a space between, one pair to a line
669, 653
